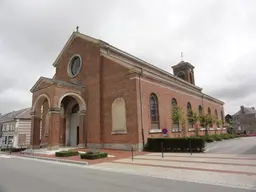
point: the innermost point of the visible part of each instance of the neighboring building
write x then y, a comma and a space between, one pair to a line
16, 128
103, 97
245, 120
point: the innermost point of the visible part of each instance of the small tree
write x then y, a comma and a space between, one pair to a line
193, 119
205, 121
177, 116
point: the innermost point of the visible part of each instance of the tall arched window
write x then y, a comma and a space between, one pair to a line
118, 115
174, 122
154, 111
209, 111
217, 117
189, 114
174, 103
181, 75
216, 114
200, 110
222, 117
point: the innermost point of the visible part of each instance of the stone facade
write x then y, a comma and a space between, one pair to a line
105, 74
245, 120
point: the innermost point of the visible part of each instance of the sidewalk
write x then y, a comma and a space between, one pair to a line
225, 169
112, 156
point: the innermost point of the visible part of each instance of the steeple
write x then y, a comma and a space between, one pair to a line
185, 71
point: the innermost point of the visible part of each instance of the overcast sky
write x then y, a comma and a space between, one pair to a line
218, 37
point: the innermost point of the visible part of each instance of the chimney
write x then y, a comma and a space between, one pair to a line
242, 108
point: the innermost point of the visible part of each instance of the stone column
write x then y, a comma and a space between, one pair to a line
54, 128
82, 130
35, 131
62, 127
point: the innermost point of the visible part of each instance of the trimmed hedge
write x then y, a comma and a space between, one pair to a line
219, 137
13, 149
66, 153
93, 155
176, 144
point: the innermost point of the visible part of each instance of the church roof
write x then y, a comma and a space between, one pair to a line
183, 64
136, 62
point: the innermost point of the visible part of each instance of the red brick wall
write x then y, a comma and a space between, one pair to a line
165, 96
90, 77
117, 83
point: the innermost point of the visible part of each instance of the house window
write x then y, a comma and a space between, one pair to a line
118, 115
154, 113
5, 127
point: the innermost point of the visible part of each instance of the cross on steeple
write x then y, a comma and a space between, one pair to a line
181, 55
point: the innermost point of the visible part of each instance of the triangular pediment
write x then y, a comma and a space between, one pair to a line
44, 82
69, 42
41, 83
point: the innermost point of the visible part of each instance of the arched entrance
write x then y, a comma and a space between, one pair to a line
40, 125
72, 117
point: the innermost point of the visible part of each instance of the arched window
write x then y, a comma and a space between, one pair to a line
222, 117
200, 110
209, 111
191, 78
154, 113
189, 110
174, 103
175, 122
189, 114
118, 115
216, 114
181, 75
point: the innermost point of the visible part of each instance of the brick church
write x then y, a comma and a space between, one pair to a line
103, 97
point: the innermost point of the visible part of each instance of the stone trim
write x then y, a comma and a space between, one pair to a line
155, 131
119, 132
120, 146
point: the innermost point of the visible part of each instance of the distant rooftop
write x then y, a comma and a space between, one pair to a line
20, 114
245, 110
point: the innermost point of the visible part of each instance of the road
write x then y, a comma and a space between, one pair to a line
244, 145
25, 175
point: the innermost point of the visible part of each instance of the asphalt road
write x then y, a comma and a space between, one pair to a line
25, 175
244, 145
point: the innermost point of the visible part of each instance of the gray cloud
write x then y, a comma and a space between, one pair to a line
217, 37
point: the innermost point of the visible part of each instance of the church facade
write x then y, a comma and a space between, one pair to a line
103, 97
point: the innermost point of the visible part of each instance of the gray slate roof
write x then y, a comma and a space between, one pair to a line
20, 114
247, 110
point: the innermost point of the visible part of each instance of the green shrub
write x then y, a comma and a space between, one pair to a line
93, 155
66, 153
13, 149
176, 144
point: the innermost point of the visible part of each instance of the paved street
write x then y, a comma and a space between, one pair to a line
244, 145
226, 166
30, 175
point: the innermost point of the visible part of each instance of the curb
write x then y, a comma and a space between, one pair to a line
54, 159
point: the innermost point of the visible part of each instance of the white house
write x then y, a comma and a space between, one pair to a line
15, 128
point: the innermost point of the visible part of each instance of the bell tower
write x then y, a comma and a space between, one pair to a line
185, 71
